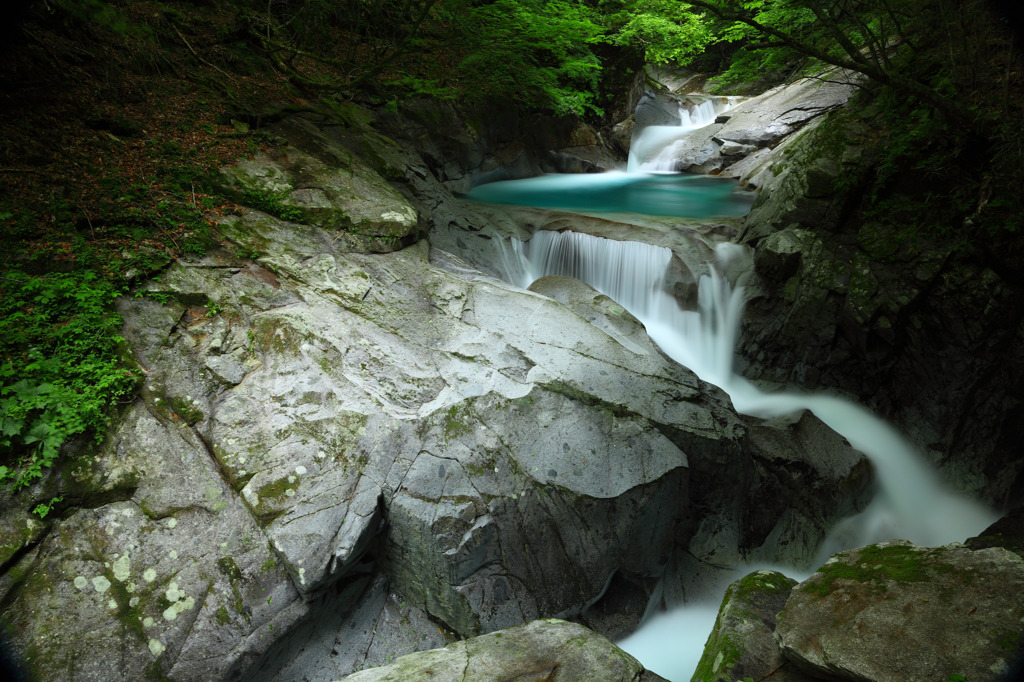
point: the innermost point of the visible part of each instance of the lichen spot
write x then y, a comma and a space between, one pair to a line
101, 584
173, 593
81, 583
300, 470
395, 216
302, 576
149, 575
148, 622
133, 602
112, 605
122, 568
155, 647
172, 522
289, 493
718, 661
291, 479
173, 554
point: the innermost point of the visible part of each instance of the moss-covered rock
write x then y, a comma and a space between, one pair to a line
741, 645
315, 181
895, 611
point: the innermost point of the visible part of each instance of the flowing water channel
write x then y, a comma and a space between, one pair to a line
911, 502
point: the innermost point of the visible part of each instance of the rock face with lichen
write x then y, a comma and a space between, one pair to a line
314, 181
742, 643
926, 337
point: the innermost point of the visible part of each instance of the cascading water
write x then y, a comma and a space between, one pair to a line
655, 148
911, 502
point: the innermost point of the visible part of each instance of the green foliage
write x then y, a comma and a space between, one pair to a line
666, 30
536, 52
213, 308
44, 508
59, 367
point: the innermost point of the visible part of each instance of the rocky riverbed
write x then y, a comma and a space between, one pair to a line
356, 442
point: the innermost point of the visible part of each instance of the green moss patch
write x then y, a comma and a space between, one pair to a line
875, 566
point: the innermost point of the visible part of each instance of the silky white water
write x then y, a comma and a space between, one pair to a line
655, 148
911, 502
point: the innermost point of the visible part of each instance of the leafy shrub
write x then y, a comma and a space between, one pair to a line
59, 367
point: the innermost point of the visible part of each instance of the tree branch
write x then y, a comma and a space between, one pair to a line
952, 110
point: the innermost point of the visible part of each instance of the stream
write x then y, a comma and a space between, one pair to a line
911, 502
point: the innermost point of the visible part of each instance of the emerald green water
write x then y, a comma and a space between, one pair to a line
666, 194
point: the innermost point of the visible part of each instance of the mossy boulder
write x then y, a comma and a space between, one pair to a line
896, 611
317, 181
742, 645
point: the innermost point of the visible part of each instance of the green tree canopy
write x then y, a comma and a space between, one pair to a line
874, 38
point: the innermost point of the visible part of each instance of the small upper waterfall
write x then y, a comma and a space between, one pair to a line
655, 148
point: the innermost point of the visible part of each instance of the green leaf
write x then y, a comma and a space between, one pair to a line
39, 431
11, 427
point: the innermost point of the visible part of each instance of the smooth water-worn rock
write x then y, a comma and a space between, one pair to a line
763, 120
657, 108
895, 611
525, 458
331, 445
540, 650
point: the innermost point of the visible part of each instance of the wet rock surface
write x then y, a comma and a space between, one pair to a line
890, 611
742, 644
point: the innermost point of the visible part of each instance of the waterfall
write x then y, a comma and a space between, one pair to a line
655, 148
911, 503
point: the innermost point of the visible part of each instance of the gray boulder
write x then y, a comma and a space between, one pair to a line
895, 611
320, 183
763, 120
540, 650
658, 108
